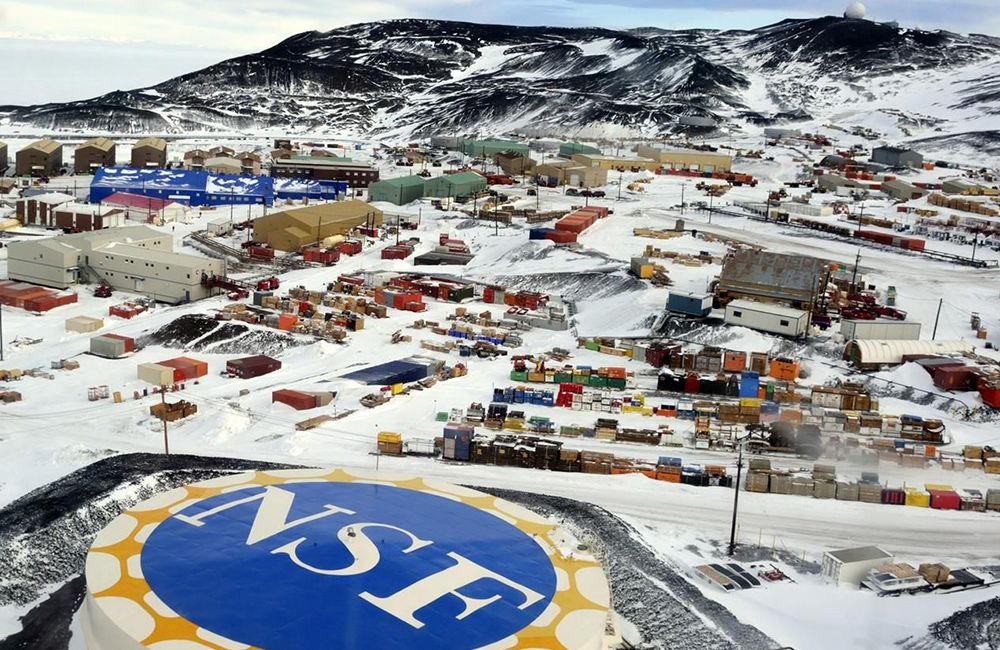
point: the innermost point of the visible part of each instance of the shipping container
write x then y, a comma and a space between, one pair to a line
186, 368
255, 366
954, 378
111, 346
884, 330
83, 324
298, 400
698, 305
156, 374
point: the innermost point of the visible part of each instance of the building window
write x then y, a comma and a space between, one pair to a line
783, 323
737, 314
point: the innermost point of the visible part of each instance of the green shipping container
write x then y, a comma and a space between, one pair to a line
592, 345
769, 391
518, 376
563, 378
600, 382
616, 383
442, 416
583, 380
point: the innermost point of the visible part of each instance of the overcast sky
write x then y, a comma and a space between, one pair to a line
73, 49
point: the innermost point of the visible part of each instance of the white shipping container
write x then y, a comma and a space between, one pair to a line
881, 330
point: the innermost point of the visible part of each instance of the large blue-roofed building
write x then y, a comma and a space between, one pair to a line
197, 188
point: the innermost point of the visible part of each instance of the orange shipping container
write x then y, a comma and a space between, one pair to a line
287, 321
785, 370
734, 361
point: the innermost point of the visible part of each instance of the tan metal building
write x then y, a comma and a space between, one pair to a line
94, 153
3, 157
325, 168
249, 162
132, 258
612, 163
515, 164
688, 159
42, 158
149, 153
291, 230
573, 174
219, 151
195, 159
223, 165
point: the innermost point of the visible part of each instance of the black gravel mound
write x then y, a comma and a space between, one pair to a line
203, 333
974, 628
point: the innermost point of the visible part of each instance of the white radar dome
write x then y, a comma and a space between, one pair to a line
855, 10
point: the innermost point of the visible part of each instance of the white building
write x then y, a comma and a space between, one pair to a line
850, 566
220, 227
804, 209
146, 208
137, 259
766, 317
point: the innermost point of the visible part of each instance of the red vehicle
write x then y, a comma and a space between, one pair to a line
822, 321
892, 312
103, 291
862, 298
858, 313
238, 294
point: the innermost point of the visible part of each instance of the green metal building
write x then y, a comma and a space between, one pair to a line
454, 185
490, 148
400, 191
567, 149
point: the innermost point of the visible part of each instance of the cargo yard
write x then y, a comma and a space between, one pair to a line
650, 333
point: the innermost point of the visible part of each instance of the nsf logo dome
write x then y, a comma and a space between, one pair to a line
308, 559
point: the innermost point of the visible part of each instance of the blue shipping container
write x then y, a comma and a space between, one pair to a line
690, 304
538, 233
749, 384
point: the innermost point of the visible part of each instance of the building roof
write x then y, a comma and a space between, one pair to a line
183, 260
247, 155
860, 554
888, 149
463, 177
222, 161
52, 198
155, 143
127, 200
875, 351
45, 146
320, 161
770, 308
83, 208
403, 181
104, 144
195, 153
614, 159
772, 274
900, 184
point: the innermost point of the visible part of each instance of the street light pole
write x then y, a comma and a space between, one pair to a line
736, 498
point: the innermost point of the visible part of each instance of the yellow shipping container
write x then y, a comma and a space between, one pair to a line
943, 487
646, 271
752, 402
647, 410
918, 498
397, 389
390, 437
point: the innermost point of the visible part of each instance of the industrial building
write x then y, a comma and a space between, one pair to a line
399, 191
325, 168
804, 209
901, 190
896, 157
137, 259
146, 208
780, 133
292, 229
76, 217
849, 566
515, 164
455, 185
94, 153
795, 280
3, 157
767, 317
223, 165
697, 121
446, 142
149, 153
249, 163
195, 159
885, 330
567, 149
36, 209
962, 186
571, 173
613, 163
41, 158
687, 159
490, 148
196, 188
834, 183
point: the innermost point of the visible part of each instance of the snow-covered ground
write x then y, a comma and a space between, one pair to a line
55, 429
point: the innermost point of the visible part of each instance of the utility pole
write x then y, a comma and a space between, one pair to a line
854, 277
936, 318
1, 332
621, 175
710, 198
736, 498
682, 197
163, 414
232, 206
975, 242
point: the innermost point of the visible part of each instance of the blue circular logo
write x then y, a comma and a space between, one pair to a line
341, 565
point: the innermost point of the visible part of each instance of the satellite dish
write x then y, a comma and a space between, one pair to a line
855, 10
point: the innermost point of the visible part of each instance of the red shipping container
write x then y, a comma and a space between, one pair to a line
188, 367
692, 384
297, 400
41, 303
953, 377
561, 236
945, 500
254, 366
489, 293
129, 342
990, 395
349, 279
415, 306
351, 247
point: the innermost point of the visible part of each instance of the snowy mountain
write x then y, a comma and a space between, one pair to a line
418, 77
